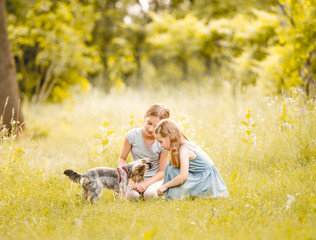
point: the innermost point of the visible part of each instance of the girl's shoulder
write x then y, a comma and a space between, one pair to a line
133, 134
189, 149
134, 131
189, 145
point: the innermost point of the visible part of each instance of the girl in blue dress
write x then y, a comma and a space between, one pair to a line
191, 172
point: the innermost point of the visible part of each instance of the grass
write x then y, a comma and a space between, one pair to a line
264, 148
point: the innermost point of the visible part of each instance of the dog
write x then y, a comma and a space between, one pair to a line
95, 179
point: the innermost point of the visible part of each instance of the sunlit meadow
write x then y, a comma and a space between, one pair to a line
264, 148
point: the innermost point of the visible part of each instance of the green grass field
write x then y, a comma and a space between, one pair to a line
264, 148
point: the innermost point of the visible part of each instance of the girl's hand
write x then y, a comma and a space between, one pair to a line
140, 187
131, 184
161, 190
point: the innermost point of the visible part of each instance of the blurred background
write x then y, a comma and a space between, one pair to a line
154, 44
64, 48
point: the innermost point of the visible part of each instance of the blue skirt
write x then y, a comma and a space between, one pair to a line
206, 184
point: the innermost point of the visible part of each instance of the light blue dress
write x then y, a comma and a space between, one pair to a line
204, 180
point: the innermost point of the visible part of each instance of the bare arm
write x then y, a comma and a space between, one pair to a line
159, 175
182, 177
141, 187
126, 148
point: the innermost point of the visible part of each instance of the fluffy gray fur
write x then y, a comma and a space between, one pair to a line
94, 180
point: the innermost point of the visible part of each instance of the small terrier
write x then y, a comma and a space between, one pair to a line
94, 180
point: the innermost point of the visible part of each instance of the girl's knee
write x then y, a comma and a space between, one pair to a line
150, 193
132, 195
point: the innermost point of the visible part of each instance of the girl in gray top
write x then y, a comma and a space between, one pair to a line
141, 143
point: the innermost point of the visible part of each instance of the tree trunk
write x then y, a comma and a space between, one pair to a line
208, 64
139, 75
185, 69
9, 92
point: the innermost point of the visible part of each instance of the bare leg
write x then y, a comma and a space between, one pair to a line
132, 194
151, 191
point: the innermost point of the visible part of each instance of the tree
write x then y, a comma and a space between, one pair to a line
120, 35
292, 61
53, 50
178, 39
9, 92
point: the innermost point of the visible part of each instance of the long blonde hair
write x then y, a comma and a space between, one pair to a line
168, 127
158, 110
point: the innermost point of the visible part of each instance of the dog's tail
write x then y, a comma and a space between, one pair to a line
76, 177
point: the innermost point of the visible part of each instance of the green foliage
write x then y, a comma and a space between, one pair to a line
292, 62
175, 37
225, 8
249, 125
51, 48
121, 61
146, 44
240, 43
119, 43
105, 137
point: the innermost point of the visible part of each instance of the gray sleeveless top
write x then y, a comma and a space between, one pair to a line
141, 150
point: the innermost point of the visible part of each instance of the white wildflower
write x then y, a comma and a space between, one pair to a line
289, 201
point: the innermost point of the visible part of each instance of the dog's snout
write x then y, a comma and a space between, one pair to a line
149, 164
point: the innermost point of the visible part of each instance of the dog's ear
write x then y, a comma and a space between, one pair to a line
139, 169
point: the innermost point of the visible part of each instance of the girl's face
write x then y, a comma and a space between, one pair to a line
164, 141
150, 125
